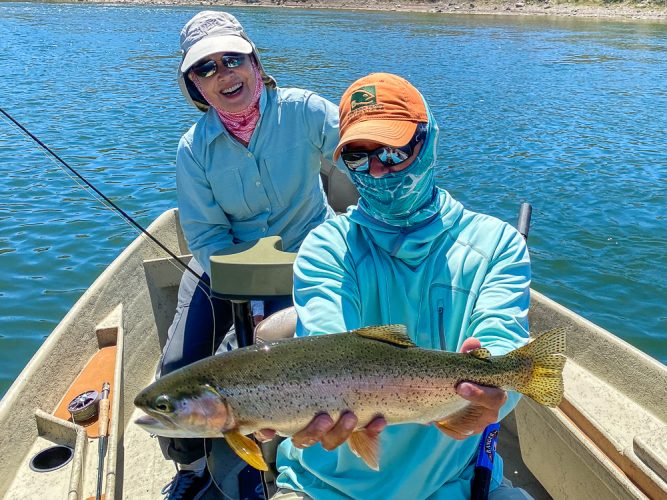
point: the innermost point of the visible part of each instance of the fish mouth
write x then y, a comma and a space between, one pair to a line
150, 423
159, 427
166, 428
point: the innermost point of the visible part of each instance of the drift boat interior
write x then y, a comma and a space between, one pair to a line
606, 440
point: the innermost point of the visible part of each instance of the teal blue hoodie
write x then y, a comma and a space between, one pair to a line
456, 275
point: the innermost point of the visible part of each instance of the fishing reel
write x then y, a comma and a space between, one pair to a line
84, 407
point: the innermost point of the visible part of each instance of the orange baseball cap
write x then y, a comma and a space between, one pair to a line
380, 107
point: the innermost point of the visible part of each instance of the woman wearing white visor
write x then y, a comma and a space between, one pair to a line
248, 168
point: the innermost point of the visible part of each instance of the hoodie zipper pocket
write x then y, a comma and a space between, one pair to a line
441, 324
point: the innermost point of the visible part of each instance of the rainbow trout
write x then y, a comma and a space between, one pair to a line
373, 371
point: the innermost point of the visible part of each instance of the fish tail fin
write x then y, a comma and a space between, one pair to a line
545, 384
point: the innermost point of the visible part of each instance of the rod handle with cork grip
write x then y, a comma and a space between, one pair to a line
103, 422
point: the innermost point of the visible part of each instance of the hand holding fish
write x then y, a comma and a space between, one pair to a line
488, 400
323, 429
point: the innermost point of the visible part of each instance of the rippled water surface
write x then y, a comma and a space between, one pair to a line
570, 115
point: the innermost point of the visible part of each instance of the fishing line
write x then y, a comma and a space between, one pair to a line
265, 486
99, 193
67, 173
200, 283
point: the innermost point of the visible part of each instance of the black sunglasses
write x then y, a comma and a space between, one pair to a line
359, 161
210, 67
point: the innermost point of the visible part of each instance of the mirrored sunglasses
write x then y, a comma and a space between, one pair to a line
210, 67
359, 161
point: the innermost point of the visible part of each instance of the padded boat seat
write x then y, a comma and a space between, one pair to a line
253, 270
280, 325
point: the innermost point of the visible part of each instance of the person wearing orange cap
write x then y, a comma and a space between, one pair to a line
407, 253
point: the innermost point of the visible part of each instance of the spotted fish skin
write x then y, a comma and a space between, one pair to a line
374, 371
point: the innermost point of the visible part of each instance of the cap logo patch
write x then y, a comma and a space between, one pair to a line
362, 97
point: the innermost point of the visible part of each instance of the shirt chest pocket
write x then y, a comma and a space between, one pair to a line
449, 313
290, 175
231, 194
277, 183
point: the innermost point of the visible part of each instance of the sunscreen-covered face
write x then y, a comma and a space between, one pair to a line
229, 89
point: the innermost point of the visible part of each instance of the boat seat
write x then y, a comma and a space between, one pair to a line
340, 191
252, 270
280, 325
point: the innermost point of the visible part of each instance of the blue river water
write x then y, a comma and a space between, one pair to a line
569, 115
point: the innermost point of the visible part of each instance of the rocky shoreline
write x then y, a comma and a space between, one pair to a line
655, 10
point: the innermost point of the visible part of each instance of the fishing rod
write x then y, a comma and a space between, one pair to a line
486, 453
103, 420
127, 217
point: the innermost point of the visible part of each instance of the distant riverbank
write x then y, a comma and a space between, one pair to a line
648, 10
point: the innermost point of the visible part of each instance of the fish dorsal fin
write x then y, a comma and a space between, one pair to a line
390, 334
365, 447
481, 353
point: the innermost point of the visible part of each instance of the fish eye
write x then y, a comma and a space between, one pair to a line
163, 404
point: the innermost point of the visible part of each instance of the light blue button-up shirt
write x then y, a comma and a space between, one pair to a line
229, 193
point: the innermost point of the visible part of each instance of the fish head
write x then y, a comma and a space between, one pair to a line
188, 411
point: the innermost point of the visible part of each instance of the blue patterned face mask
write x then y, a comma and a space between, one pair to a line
403, 198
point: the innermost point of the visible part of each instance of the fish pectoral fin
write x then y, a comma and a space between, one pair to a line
365, 447
390, 334
247, 449
464, 418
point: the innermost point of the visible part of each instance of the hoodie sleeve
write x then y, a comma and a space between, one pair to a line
326, 295
500, 316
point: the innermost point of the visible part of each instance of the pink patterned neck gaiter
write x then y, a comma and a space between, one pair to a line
242, 123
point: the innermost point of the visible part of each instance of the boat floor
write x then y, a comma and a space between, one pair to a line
145, 470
